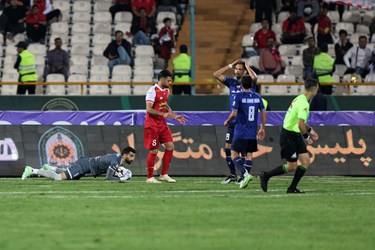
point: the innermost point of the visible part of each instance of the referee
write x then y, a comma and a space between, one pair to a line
294, 136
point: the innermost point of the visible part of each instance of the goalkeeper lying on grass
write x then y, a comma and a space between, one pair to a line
111, 164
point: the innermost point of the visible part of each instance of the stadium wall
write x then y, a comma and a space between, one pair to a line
346, 145
181, 103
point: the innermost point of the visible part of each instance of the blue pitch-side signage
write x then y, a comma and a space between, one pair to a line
353, 118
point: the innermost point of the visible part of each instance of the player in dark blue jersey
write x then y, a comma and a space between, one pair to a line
234, 84
245, 109
110, 164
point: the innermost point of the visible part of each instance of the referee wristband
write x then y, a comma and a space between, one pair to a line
306, 136
230, 65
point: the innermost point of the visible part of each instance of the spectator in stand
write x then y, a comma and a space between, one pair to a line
167, 41
260, 37
309, 10
308, 55
12, 21
36, 25
342, 46
293, 29
118, 6
270, 60
142, 28
170, 5
359, 56
118, 51
57, 61
148, 5
324, 27
263, 9
286, 5
45, 6
372, 30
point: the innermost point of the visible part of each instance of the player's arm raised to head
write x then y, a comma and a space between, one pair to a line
251, 72
219, 73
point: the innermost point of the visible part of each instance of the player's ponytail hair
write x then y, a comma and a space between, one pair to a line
127, 150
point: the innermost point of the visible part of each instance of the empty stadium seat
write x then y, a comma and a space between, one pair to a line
82, 6
73, 89
144, 50
352, 16
253, 61
102, 17
9, 89
102, 28
81, 28
361, 28
124, 70
99, 70
287, 49
349, 27
254, 27
124, 27
144, 71
80, 49
98, 89
55, 89
59, 28
98, 50
77, 39
37, 49
164, 14
248, 40
296, 70
81, 17
143, 61
79, 60
78, 69
282, 16
102, 6
340, 69
334, 16
9, 69
125, 16
10, 59
141, 89
101, 39
99, 60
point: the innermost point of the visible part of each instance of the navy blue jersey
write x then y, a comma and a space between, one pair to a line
247, 104
234, 88
100, 164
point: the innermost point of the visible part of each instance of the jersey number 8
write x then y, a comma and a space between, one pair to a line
251, 113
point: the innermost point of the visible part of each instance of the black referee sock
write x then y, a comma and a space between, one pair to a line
301, 170
276, 171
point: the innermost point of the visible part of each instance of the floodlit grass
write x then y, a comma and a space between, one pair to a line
194, 213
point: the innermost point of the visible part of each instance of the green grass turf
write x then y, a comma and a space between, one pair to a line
194, 213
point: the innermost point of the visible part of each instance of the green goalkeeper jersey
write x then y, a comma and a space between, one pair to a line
298, 109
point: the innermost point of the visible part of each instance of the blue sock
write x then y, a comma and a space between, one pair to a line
248, 165
230, 163
239, 164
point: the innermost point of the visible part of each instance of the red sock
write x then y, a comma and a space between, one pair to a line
150, 164
166, 161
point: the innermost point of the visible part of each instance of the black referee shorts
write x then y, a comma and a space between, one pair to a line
292, 144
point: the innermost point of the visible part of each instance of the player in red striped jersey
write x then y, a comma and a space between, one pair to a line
156, 130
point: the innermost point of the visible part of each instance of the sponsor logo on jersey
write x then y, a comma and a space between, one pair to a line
294, 156
59, 147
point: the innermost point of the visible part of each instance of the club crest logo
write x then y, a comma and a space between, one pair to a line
59, 147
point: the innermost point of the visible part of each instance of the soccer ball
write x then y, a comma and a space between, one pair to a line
123, 172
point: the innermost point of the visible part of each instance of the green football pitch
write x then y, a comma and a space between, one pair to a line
194, 213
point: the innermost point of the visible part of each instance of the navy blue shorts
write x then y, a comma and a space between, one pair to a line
292, 144
230, 132
244, 145
79, 169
